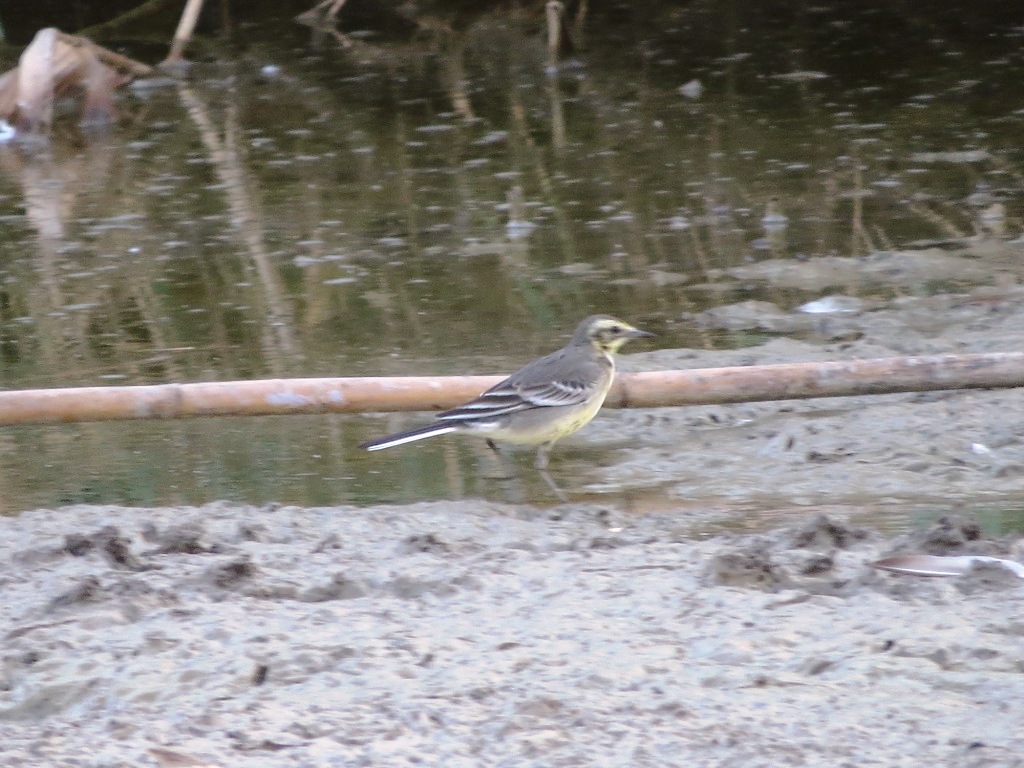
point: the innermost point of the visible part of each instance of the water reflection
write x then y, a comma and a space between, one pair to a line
432, 207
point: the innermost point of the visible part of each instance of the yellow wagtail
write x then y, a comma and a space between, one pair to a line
544, 401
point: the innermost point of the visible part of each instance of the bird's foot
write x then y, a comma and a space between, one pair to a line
554, 486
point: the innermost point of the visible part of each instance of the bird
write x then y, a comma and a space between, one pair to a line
543, 401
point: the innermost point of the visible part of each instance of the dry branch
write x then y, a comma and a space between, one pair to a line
419, 393
186, 26
54, 64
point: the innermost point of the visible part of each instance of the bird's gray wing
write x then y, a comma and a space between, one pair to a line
539, 385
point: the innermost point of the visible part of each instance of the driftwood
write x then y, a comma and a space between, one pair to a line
55, 64
418, 393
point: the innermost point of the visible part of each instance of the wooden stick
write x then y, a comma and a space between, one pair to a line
650, 389
115, 60
186, 26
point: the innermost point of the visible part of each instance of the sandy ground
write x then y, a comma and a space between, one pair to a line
476, 633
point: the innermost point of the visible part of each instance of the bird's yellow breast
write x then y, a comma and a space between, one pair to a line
546, 425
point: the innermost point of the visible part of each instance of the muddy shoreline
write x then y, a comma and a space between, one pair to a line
478, 633
475, 634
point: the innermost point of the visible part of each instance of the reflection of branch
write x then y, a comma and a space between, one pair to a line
943, 223
49, 189
558, 133
456, 74
580, 20
44, 208
224, 156
317, 14
324, 22
99, 322
517, 114
858, 232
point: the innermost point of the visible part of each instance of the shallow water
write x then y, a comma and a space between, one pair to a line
354, 212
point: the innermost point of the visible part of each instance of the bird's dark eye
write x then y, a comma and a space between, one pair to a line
616, 329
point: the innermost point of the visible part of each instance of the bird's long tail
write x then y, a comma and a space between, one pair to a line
401, 438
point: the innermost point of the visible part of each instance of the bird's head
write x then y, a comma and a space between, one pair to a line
606, 333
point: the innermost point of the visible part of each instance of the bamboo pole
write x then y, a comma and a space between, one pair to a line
838, 378
650, 389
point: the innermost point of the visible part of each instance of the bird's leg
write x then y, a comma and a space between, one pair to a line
543, 453
499, 470
541, 465
554, 486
